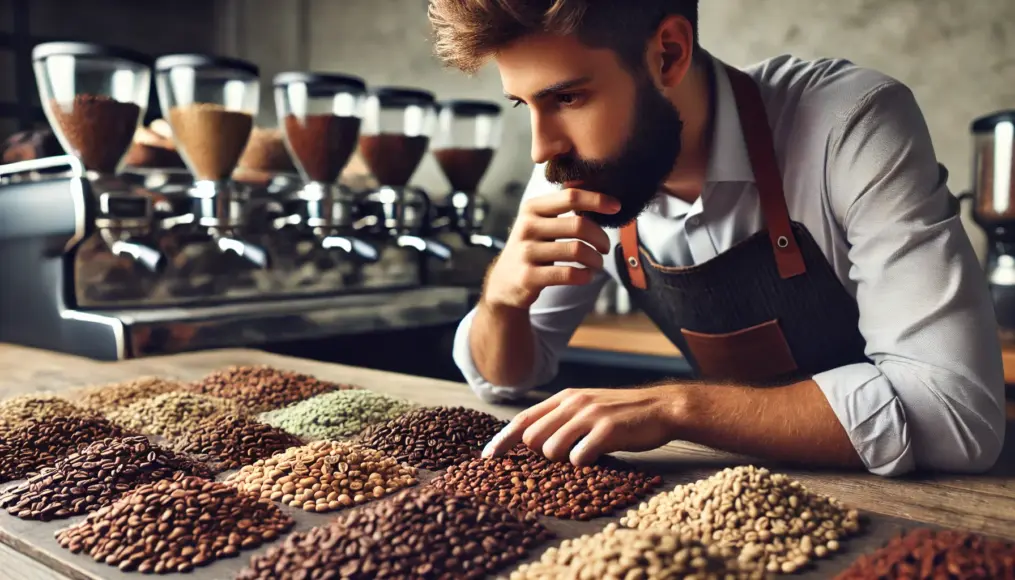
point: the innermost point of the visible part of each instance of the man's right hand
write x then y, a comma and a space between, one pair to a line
526, 265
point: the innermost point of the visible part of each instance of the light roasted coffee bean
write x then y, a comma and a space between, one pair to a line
770, 518
925, 553
623, 553
324, 476
175, 526
336, 415
105, 398
38, 442
525, 480
95, 476
434, 438
38, 407
230, 442
172, 414
418, 533
261, 388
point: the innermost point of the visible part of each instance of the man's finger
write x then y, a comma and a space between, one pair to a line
511, 434
558, 447
568, 200
544, 428
593, 446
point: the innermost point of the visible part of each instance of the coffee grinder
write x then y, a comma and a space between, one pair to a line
468, 135
993, 199
397, 126
210, 103
320, 116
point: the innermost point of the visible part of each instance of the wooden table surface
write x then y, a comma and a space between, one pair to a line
984, 503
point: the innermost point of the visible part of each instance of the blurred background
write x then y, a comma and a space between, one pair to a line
958, 58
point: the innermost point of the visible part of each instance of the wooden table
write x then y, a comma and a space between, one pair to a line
984, 503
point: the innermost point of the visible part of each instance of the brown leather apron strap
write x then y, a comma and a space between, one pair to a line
632, 255
761, 150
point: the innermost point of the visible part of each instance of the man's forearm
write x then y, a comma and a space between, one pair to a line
501, 343
793, 423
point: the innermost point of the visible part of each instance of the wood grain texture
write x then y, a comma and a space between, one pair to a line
984, 503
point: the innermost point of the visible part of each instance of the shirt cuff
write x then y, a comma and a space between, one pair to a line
485, 390
872, 414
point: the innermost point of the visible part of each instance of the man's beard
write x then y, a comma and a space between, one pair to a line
634, 176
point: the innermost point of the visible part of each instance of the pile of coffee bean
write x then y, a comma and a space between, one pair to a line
525, 480
925, 553
261, 388
419, 533
622, 553
324, 476
232, 441
38, 407
434, 437
337, 414
35, 443
105, 398
770, 518
175, 526
172, 414
95, 476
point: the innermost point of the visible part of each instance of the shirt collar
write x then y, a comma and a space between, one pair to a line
728, 159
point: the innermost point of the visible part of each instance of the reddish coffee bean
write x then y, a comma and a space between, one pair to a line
926, 553
262, 388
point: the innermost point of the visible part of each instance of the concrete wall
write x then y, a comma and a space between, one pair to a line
959, 57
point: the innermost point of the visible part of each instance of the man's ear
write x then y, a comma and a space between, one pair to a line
670, 51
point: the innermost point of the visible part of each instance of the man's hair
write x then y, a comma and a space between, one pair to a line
468, 32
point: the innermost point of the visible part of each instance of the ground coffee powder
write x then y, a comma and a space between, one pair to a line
175, 526
323, 144
419, 533
434, 437
525, 480
392, 158
98, 128
37, 443
260, 388
211, 138
926, 554
95, 476
229, 442
463, 167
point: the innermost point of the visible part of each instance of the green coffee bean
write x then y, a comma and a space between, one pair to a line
337, 414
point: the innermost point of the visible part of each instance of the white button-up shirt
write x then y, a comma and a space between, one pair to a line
860, 172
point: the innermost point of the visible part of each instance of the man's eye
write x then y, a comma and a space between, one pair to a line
569, 99
517, 104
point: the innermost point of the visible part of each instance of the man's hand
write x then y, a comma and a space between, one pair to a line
584, 424
526, 264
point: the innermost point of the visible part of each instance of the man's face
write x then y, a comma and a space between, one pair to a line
594, 125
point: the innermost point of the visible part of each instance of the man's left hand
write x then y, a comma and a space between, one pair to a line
584, 424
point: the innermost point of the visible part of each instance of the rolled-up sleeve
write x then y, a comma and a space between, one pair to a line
933, 398
554, 316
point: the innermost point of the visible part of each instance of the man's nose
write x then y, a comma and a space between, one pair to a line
548, 141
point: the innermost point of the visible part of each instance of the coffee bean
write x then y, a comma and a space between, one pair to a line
95, 476
233, 441
434, 437
262, 388
925, 553
522, 479
622, 553
324, 476
38, 442
770, 518
337, 414
105, 398
39, 408
172, 414
202, 523
418, 533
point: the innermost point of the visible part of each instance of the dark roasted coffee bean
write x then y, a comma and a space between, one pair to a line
56, 492
262, 388
38, 442
232, 441
525, 480
434, 437
386, 540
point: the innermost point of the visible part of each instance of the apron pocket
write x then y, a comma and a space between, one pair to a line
756, 354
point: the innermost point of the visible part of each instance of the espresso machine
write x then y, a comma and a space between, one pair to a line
101, 263
397, 127
468, 134
993, 200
